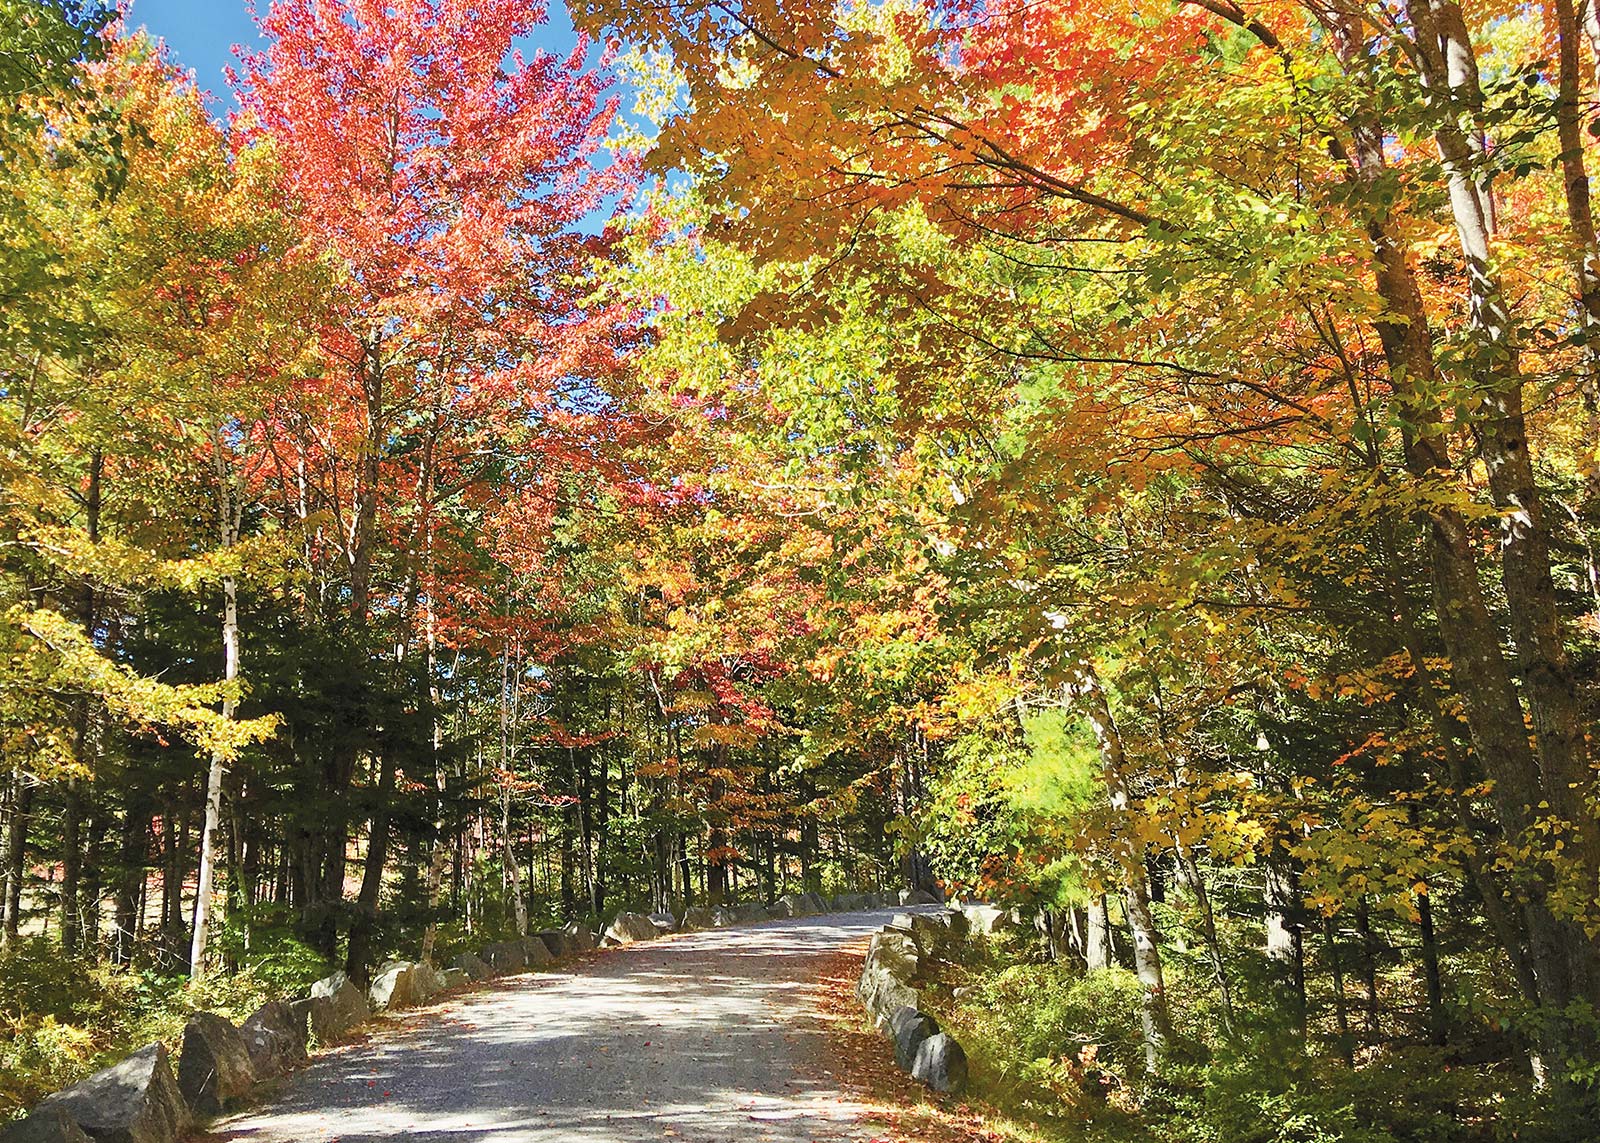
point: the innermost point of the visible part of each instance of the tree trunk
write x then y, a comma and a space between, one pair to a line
1208, 929
519, 903
174, 939
230, 519
1097, 949
1156, 1018
717, 846
1479, 673
1341, 1009
569, 894
71, 863
1285, 938
1449, 64
1580, 211
442, 840
133, 853
363, 926
1437, 1027
215, 777
90, 892
685, 869
16, 850
583, 767
602, 799
72, 810
1369, 967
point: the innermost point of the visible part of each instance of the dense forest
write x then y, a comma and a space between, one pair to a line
1134, 464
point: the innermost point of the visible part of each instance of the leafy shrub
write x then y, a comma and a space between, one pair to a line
269, 951
1265, 1092
62, 1019
1036, 1024
1272, 1098
1045, 1037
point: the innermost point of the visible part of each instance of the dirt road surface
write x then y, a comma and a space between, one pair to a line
700, 1038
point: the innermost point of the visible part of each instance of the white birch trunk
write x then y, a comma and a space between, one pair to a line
229, 513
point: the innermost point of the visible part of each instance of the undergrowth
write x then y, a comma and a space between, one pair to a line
61, 1019
1062, 1049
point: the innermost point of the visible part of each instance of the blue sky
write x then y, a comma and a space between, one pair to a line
201, 33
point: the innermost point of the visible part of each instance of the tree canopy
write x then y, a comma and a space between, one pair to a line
1138, 465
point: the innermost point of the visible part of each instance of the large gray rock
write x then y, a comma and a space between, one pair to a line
556, 942
749, 912
506, 956
302, 1012
883, 993
136, 1101
453, 978
723, 917
430, 981
908, 1027
697, 917
336, 1007
819, 903
475, 967
214, 1068
896, 952
47, 1125
395, 986
794, 905
985, 920
917, 897
888, 973
630, 927
665, 923
580, 938
275, 1037
538, 953
940, 1063
934, 935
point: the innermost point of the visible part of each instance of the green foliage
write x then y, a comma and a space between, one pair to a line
1060, 776
62, 1019
1260, 1093
1036, 1023
1051, 1041
999, 817
39, 40
263, 944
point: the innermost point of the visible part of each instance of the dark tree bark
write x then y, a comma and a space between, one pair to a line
133, 855
1438, 1029
364, 923
1341, 1004
16, 851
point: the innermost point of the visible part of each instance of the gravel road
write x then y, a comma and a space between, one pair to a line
702, 1037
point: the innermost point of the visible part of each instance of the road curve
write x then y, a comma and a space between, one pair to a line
701, 1037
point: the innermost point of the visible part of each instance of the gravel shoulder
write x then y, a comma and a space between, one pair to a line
703, 1037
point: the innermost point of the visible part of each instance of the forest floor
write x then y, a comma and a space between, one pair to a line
728, 1036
